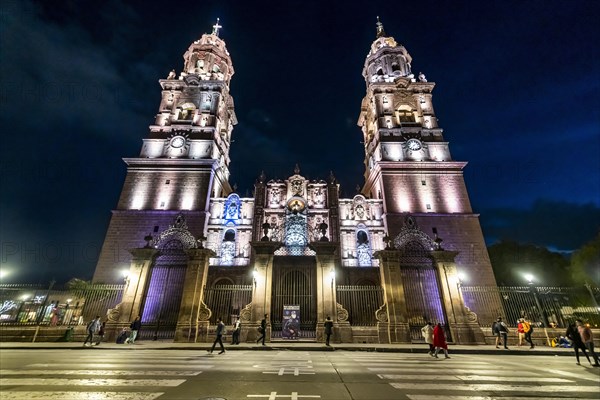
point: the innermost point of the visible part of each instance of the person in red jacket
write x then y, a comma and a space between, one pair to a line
520, 331
439, 340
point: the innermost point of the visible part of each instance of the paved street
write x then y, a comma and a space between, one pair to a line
133, 374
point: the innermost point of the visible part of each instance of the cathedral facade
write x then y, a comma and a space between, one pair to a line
380, 264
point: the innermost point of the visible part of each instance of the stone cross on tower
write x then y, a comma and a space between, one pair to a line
216, 28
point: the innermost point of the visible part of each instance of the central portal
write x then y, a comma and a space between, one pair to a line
294, 301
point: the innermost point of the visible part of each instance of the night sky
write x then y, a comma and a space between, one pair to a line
517, 94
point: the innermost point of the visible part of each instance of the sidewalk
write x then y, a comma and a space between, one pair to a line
291, 346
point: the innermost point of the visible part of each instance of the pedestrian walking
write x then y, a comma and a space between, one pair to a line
439, 340
262, 329
328, 327
92, 327
219, 336
573, 335
427, 332
501, 330
588, 339
135, 326
237, 328
528, 330
520, 331
101, 333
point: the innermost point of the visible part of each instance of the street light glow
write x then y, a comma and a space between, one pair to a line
529, 278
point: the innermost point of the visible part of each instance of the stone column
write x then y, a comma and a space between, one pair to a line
192, 323
326, 293
461, 321
263, 283
392, 324
133, 295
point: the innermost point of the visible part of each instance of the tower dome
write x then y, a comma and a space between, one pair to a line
387, 60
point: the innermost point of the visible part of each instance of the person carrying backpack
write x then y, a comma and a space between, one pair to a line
501, 330
528, 330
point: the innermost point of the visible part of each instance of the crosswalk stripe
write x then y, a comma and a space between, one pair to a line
450, 377
15, 395
426, 361
98, 372
507, 373
483, 387
90, 382
131, 365
428, 397
436, 365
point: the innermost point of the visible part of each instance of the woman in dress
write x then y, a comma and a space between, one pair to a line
439, 340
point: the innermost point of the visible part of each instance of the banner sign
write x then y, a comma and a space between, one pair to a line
291, 322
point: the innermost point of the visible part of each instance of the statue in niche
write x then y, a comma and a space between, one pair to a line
172, 74
171, 97
359, 211
200, 64
296, 187
232, 210
422, 77
274, 196
319, 196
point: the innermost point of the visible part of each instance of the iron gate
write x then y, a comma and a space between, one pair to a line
163, 298
227, 301
361, 302
423, 300
294, 283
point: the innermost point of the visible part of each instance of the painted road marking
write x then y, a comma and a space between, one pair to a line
95, 372
507, 373
131, 365
14, 395
497, 388
474, 378
293, 396
90, 382
428, 397
294, 370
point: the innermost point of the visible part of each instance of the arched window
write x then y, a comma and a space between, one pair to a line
228, 247
186, 112
406, 116
363, 249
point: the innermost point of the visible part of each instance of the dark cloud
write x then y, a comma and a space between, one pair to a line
559, 225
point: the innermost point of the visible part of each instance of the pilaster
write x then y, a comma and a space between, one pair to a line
263, 284
326, 282
194, 315
462, 323
392, 316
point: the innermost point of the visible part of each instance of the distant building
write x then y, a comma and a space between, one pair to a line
381, 263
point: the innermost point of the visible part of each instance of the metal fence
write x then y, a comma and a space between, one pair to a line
361, 302
545, 306
226, 301
56, 305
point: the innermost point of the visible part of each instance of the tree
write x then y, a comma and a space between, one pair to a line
585, 262
512, 261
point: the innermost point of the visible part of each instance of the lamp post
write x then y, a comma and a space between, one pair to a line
534, 292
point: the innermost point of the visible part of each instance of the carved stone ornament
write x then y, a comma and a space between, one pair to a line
381, 313
246, 313
410, 232
204, 312
178, 231
113, 314
296, 186
471, 316
341, 312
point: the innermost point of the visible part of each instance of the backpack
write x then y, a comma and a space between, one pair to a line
90, 325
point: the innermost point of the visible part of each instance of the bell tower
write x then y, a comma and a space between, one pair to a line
184, 160
408, 163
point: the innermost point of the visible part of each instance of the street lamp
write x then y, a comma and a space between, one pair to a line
530, 278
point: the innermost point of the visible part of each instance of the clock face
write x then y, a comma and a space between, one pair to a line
413, 144
177, 142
